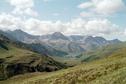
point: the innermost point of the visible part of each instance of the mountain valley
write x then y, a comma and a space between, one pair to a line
78, 59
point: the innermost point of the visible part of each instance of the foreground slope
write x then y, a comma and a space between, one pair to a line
15, 60
109, 70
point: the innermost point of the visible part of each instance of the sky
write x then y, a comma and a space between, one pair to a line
104, 18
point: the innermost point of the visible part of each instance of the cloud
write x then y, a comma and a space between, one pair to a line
109, 6
87, 14
9, 22
43, 27
103, 6
22, 3
95, 27
86, 5
101, 27
23, 7
30, 12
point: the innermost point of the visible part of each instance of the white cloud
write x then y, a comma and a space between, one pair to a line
85, 5
23, 7
22, 3
109, 6
103, 6
43, 27
9, 22
30, 12
87, 14
95, 27
101, 27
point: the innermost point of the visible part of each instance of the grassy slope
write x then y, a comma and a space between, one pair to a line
110, 70
67, 60
16, 54
13, 51
101, 52
12, 55
25, 60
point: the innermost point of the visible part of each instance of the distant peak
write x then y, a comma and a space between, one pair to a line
57, 33
100, 38
88, 37
116, 40
18, 30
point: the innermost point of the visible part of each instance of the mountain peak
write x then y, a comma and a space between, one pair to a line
115, 41
58, 35
88, 38
19, 31
21, 35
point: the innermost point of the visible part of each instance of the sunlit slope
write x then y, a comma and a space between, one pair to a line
110, 70
15, 60
101, 52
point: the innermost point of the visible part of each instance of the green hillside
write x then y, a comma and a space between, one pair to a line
101, 52
109, 70
15, 60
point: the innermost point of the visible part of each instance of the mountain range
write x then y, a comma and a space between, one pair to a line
58, 44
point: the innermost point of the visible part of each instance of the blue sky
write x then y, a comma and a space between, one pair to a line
75, 15
67, 10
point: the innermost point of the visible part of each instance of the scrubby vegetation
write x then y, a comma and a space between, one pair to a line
109, 70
